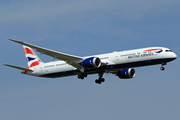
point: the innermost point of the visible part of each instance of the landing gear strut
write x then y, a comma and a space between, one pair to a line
100, 79
162, 68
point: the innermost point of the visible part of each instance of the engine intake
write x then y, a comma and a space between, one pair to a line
126, 73
92, 62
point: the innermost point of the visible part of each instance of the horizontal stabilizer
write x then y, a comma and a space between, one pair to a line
16, 67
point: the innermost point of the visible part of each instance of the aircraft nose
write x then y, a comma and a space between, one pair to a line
174, 56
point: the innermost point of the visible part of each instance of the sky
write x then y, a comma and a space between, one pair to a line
84, 28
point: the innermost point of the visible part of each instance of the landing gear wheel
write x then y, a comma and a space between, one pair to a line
81, 76
162, 68
102, 79
97, 81
85, 75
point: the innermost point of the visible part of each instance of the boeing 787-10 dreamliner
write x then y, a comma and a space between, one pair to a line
121, 63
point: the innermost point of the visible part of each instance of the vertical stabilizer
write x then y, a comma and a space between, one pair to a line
32, 59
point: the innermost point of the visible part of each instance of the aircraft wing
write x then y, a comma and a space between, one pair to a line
69, 59
16, 67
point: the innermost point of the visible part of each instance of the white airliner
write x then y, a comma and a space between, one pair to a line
119, 63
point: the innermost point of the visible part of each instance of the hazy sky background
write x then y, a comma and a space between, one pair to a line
85, 28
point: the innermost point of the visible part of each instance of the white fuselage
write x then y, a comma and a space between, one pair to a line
113, 62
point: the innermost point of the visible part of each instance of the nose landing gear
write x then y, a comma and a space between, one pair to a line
162, 68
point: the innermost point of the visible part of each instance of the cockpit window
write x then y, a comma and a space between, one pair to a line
168, 50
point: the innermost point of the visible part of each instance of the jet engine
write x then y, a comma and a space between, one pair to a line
126, 73
92, 62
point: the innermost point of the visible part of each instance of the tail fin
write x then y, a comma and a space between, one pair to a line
32, 59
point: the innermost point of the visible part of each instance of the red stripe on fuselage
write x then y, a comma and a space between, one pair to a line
153, 49
28, 51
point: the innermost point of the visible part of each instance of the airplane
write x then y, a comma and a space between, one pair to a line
121, 63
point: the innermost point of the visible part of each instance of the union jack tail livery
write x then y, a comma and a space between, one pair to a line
32, 59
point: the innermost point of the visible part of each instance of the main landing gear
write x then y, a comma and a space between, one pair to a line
82, 76
162, 68
100, 79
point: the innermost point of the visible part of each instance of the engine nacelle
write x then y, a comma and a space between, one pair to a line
92, 62
126, 73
